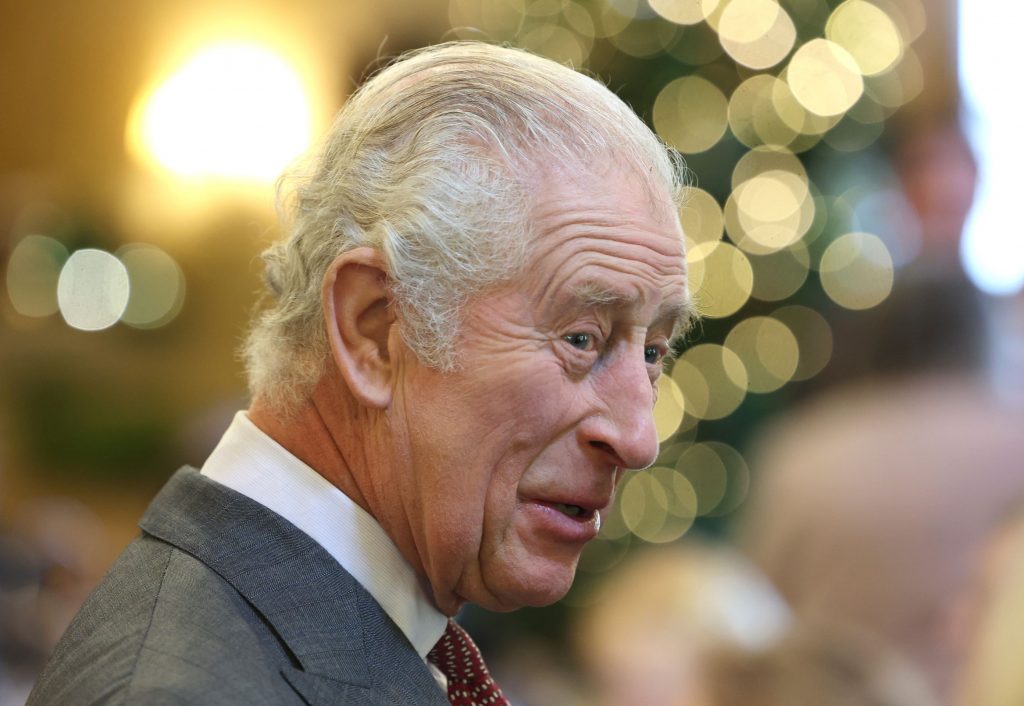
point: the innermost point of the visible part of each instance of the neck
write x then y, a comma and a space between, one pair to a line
348, 444
322, 434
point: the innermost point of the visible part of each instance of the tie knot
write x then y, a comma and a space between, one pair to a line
459, 659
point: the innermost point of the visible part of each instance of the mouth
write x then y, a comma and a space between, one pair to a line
575, 511
566, 522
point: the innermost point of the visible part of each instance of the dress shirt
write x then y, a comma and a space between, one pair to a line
253, 464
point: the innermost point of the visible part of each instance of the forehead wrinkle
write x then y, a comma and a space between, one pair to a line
613, 228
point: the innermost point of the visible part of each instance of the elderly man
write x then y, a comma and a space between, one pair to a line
483, 274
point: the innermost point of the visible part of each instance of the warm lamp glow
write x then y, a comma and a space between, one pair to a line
233, 111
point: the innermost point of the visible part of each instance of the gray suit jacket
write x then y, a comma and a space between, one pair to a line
221, 601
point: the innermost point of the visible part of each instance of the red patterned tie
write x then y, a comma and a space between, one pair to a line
458, 658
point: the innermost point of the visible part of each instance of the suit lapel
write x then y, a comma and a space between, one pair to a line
343, 641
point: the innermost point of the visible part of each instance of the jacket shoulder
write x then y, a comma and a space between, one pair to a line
163, 628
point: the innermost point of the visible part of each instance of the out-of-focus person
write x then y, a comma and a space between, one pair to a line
642, 640
994, 675
872, 505
48, 564
812, 667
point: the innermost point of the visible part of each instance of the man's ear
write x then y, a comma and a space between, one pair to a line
359, 319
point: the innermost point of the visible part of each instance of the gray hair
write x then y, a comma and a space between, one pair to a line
430, 162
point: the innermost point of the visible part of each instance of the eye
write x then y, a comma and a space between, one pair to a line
581, 341
653, 354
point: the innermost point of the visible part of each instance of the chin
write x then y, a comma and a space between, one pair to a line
529, 586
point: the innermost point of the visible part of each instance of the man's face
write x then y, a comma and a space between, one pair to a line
506, 462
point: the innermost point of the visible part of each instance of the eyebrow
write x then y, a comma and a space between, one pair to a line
681, 314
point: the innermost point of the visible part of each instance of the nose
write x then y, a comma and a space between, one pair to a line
622, 428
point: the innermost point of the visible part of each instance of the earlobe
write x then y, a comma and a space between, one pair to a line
359, 320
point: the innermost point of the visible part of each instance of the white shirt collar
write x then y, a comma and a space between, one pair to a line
252, 463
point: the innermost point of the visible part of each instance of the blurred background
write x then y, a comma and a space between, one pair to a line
836, 505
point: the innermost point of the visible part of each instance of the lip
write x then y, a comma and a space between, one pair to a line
550, 521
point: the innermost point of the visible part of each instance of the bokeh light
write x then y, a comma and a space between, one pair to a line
908, 16
157, 286
706, 473
857, 271
720, 277
737, 478
824, 77
764, 159
684, 12
669, 408
92, 290
236, 111
867, 33
558, 43
693, 387
771, 206
658, 505
750, 106
756, 33
701, 218
719, 371
769, 212
813, 336
768, 349
690, 114
32, 272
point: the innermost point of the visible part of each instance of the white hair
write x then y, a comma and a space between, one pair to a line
431, 162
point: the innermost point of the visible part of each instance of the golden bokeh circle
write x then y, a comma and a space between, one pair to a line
813, 335
701, 217
690, 114
856, 271
768, 349
684, 12
792, 112
558, 43
669, 408
738, 478
675, 502
610, 21
721, 278
579, 19
770, 210
723, 376
766, 158
895, 88
757, 34
824, 78
867, 33
706, 474
694, 389
909, 16
750, 98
